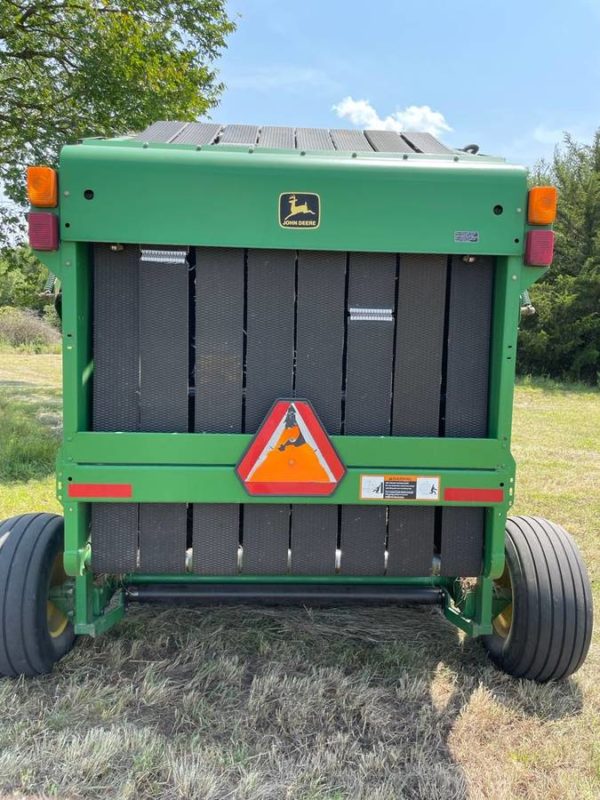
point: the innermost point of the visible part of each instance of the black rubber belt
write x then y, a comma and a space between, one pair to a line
462, 541
162, 537
163, 131
425, 143
277, 137
469, 331
369, 352
410, 541
320, 319
219, 340
216, 538
269, 375
313, 139
114, 537
239, 134
266, 539
419, 345
219, 387
416, 401
198, 133
114, 526
467, 398
363, 538
351, 140
164, 371
314, 539
202, 133
116, 339
388, 142
320, 334
270, 331
369, 359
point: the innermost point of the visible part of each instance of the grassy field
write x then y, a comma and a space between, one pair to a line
291, 704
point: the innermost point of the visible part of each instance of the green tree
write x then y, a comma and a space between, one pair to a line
75, 68
563, 339
22, 279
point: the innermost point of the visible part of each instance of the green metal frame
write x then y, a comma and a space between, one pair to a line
416, 203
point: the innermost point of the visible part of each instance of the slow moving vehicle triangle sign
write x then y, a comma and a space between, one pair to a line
291, 454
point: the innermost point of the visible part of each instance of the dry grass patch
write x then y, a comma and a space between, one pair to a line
23, 369
27, 331
251, 703
342, 704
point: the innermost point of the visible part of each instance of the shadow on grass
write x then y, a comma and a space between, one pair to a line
30, 428
321, 704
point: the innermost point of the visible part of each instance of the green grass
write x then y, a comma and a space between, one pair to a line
290, 704
6, 348
30, 428
29, 433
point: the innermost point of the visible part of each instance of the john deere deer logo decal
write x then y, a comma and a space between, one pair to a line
299, 210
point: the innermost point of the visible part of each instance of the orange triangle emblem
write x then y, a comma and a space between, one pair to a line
291, 454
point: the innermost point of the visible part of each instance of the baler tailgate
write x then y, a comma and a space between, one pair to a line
382, 344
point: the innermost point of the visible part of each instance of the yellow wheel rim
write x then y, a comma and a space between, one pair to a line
57, 619
502, 622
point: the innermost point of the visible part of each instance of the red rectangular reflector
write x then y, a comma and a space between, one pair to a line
475, 495
110, 490
43, 230
539, 248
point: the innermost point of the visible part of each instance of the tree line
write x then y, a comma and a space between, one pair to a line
80, 68
562, 340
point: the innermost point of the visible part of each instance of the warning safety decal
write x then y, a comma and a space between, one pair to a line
291, 454
399, 487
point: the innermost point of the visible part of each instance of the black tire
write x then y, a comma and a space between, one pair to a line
29, 547
551, 623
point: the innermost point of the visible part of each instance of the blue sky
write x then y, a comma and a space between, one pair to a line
510, 76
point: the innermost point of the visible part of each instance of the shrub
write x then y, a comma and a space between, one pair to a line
22, 278
50, 316
563, 339
24, 329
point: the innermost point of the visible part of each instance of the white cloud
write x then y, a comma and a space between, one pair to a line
412, 118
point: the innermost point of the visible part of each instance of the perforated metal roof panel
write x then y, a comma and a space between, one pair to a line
284, 138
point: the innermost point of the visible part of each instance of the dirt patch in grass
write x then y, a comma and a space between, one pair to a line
342, 704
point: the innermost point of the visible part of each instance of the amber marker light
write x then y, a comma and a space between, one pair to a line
541, 209
42, 187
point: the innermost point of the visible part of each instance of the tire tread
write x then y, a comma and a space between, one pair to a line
25, 561
553, 615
